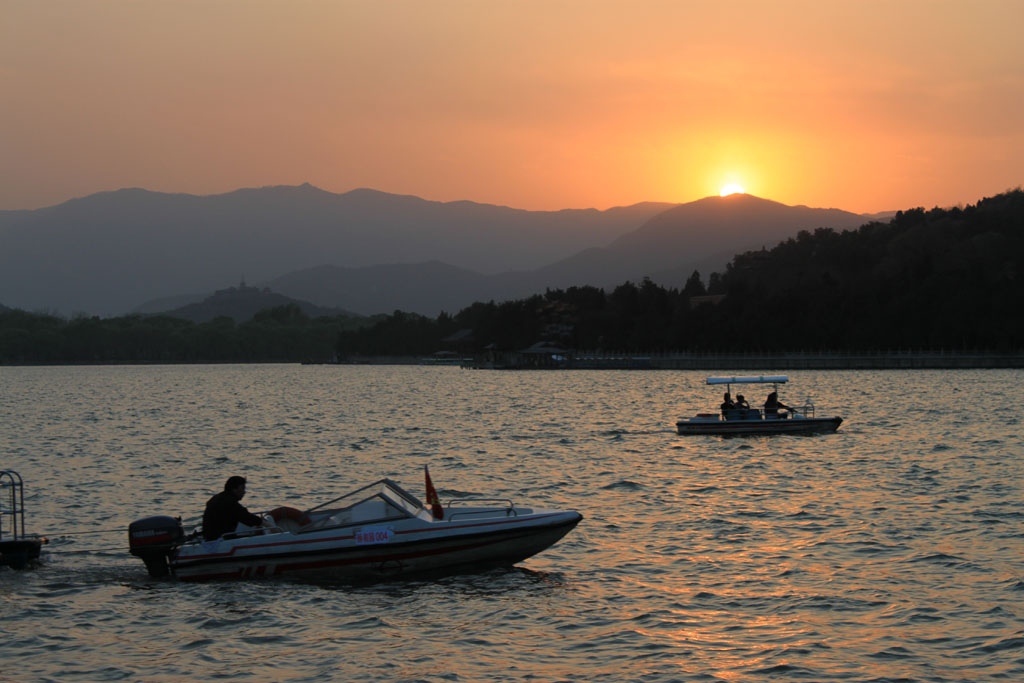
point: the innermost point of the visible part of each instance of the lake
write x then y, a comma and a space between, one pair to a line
888, 551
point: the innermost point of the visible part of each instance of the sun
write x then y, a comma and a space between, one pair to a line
732, 188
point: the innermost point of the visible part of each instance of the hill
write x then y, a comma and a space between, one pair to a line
943, 278
242, 303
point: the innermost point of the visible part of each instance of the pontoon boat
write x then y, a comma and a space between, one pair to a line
752, 420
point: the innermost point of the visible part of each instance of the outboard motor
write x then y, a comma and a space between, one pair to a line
154, 539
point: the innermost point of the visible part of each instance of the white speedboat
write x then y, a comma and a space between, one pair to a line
374, 532
782, 419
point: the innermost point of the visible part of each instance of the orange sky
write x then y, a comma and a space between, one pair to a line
538, 104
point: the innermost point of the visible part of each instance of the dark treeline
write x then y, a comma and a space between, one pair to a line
284, 333
928, 280
949, 279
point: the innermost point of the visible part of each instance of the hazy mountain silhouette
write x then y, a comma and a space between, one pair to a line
703, 235
426, 288
242, 303
108, 252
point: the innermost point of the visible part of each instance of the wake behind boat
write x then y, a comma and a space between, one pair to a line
377, 531
776, 417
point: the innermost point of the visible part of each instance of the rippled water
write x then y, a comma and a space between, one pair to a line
891, 550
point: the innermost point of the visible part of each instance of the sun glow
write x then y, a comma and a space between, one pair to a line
731, 188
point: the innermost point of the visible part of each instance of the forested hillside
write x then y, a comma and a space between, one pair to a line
939, 279
934, 279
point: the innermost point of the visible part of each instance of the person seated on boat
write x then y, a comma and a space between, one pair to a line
727, 404
772, 405
224, 511
742, 406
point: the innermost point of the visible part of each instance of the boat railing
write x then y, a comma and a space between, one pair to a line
507, 507
245, 533
804, 410
12, 504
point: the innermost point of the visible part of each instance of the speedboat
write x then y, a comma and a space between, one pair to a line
377, 531
783, 420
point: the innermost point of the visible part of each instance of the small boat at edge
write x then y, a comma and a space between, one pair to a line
18, 549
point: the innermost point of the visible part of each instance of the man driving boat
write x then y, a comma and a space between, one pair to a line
224, 511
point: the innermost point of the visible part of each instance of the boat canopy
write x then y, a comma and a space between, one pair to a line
764, 379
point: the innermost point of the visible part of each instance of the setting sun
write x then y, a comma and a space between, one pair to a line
732, 188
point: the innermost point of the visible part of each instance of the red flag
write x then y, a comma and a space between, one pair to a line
432, 500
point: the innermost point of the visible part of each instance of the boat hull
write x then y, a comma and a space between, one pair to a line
809, 425
336, 555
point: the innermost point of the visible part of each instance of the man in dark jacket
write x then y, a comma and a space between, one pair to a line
224, 511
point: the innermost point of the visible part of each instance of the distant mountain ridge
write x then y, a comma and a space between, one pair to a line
109, 252
364, 251
702, 235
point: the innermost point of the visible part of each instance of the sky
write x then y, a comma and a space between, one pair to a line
861, 105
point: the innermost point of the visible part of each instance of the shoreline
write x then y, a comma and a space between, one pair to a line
752, 361
664, 361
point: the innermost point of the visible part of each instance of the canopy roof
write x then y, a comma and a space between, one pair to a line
764, 379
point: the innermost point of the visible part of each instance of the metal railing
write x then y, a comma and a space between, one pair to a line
12, 504
508, 507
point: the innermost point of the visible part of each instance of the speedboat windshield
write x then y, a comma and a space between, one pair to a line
383, 491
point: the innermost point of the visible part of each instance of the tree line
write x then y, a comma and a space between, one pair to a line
950, 279
280, 334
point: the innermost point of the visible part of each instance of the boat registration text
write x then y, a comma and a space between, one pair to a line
374, 534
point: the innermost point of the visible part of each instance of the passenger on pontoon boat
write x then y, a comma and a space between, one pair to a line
772, 405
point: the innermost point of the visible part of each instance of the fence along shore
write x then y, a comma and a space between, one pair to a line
801, 360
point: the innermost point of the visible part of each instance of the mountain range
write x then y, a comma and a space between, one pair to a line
364, 251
